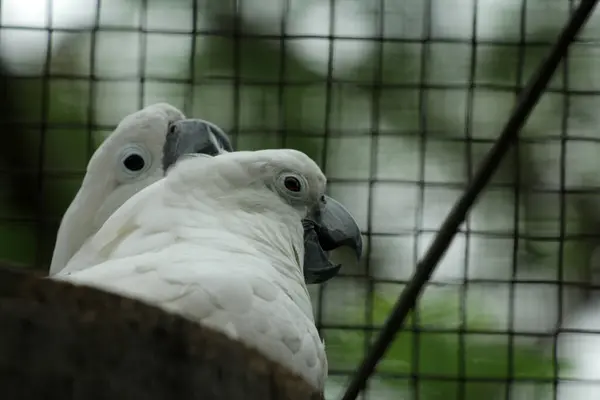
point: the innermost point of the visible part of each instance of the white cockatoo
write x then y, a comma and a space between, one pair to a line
229, 241
126, 162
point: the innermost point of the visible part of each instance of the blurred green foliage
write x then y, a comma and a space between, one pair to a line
443, 361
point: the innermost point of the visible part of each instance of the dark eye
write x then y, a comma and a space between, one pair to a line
292, 184
172, 129
134, 162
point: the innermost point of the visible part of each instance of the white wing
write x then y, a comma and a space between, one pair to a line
237, 299
120, 228
66, 243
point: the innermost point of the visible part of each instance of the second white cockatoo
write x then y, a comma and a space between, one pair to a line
130, 159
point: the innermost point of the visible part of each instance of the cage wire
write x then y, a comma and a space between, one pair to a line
425, 268
398, 102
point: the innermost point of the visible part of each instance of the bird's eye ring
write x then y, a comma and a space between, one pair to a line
292, 184
133, 161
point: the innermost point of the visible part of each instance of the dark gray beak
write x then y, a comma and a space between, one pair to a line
193, 136
329, 227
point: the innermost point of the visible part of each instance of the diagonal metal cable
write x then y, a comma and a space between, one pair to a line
425, 268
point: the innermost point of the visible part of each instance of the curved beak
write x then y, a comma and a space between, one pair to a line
329, 227
193, 136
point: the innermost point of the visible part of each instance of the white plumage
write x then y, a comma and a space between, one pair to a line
109, 182
219, 241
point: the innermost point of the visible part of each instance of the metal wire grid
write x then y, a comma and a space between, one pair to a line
425, 267
378, 85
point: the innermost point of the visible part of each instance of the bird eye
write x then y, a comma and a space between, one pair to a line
134, 160
172, 129
292, 184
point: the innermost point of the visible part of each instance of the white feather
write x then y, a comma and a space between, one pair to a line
225, 256
106, 185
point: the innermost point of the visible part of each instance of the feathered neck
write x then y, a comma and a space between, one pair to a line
250, 222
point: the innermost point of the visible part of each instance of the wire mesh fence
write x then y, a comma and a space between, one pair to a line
398, 102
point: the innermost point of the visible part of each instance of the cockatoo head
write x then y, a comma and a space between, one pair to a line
126, 162
269, 179
299, 182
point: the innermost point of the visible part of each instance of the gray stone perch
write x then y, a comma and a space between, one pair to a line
59, 341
